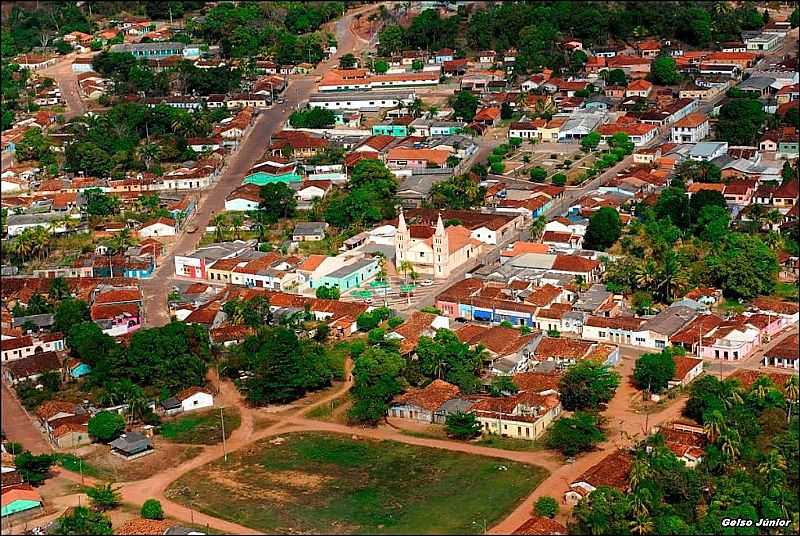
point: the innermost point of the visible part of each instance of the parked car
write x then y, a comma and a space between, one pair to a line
426, 283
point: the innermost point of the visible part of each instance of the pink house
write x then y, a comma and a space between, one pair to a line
117, 319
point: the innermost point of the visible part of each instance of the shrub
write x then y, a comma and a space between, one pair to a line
559, 179
106, 426
395, 321
151, 509
546, 507
462, 425
498, 168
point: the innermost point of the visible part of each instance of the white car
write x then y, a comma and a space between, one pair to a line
426, 283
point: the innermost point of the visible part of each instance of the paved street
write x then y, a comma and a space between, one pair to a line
268, 122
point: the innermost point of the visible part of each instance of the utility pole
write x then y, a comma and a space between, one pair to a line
222, 419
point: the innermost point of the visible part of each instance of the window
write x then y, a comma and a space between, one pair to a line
601, 334
421, 254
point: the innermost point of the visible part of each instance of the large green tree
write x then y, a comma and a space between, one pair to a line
654, 371
587, 385
464, 104
740, 121
377, 375
604, 229
283, 367
106, 426
743, 266
277, 201
81, 520
445, 357
576, 434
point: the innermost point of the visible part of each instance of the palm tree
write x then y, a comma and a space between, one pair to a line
137, 407
41, 241
22, 245
761, 388
773, 469
731, 395
645, 274
537, 228
714, 426
148, 153
671, 277
731, 444
406, 266
220, 227
237, 221
641, 525
792, 392
122, 241
440, 369
640, 471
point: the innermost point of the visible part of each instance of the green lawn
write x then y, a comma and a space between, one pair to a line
326, 483
72, 463
786, 290
201, 428
510, 443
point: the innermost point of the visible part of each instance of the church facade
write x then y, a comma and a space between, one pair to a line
434, 251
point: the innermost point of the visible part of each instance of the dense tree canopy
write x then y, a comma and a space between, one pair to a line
604, 229
743, 266
447, 358
653, 371
459, 192
281, 367
740, 121
377, 374
587, 385
368, 198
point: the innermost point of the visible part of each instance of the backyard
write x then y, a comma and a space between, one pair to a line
201, 428
325, 483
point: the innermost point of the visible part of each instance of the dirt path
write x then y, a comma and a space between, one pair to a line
18, 424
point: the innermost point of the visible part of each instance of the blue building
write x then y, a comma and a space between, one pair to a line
349, 276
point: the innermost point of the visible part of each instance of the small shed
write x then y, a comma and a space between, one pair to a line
131, 445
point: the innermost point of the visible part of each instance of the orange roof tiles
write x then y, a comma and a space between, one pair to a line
431, 397
312, 263
144, 526
520, 248
684, 365
747, 377
611, 471
693, 120
541, 526
434, 156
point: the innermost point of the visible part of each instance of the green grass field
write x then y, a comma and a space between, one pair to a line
325, 483
201, 428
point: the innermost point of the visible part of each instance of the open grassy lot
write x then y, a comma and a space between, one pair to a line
201, 428
326, 483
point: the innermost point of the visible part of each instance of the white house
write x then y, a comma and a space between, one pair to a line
195, 398
158, 227
691, 129
244, 198
12, 349
360, 101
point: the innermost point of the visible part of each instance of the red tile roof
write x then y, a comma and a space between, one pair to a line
747, 377
431, 397
611, 471
684, 365
541, 526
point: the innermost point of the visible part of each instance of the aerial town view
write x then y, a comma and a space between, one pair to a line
396, 267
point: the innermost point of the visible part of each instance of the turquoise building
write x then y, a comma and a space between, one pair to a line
350, 276
389, 129
261, 178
